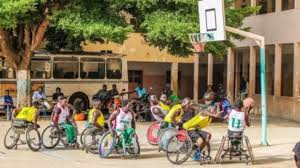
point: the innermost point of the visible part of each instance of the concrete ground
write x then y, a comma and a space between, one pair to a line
282, 135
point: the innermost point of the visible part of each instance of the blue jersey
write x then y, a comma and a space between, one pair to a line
140, 92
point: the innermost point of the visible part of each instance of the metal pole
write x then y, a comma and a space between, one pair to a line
261, 41
263, 96
196, 77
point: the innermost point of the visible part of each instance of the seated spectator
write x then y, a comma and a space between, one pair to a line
56, 94
114, 91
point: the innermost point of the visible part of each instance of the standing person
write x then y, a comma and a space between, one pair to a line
63, 117
244, 88
57, 94
8, 104
40, 96
296, 151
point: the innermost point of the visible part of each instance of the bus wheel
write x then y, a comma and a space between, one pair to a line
80, 101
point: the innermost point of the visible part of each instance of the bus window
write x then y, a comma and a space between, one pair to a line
92, 68
6, 72
65, 67
40, 68
114, 68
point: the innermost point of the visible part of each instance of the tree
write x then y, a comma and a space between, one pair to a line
24, 24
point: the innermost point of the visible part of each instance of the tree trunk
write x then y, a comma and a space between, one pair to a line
23, 88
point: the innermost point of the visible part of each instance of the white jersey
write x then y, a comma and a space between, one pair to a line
157, 117
236, 121
123, 120
65, 112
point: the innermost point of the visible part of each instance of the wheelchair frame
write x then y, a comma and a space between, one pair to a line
18, 130
230, 152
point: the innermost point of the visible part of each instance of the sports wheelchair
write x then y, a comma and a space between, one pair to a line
53, 134
233, 147
19, 127
90, 138
180, 148
113, 142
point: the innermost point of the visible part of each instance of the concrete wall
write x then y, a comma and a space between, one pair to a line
277, 27
282, 107
136, 49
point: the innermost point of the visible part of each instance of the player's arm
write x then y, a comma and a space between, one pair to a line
247, 120
96, 115
16, 112
112, 117
35, 118
56, 112
173, 117
133, 124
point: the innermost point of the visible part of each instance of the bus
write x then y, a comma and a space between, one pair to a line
79, 75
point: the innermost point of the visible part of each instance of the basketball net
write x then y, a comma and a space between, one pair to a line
198, 45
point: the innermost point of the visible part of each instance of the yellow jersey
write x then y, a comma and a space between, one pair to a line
27, 113
197, 122
164, 107
100, 120
168, 117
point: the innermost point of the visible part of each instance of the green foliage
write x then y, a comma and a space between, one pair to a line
74, 20
167, 23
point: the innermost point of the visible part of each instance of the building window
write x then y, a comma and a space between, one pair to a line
242, 3
65, 68
287, 70
135, 76
92, 68
288, 4
40, 68
6, 72
114, 68
267, 6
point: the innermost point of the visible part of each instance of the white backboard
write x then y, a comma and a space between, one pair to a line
212, 20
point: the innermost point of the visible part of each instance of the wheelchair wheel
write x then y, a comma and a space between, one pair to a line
152, 133
135, 148
179, 148
82, 136
91, 139
164, 137
51, 136
11, 138
106, 145
249, 149
33, 139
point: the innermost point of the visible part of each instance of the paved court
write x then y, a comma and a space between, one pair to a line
282, 135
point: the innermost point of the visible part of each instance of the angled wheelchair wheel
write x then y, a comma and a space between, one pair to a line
135, 148
249, 148
82, 136
51, 137
91, 139
11, 138
179, 148
152, 133
106, 145
33, 139
164, 137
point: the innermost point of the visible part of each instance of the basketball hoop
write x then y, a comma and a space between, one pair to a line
197, 43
